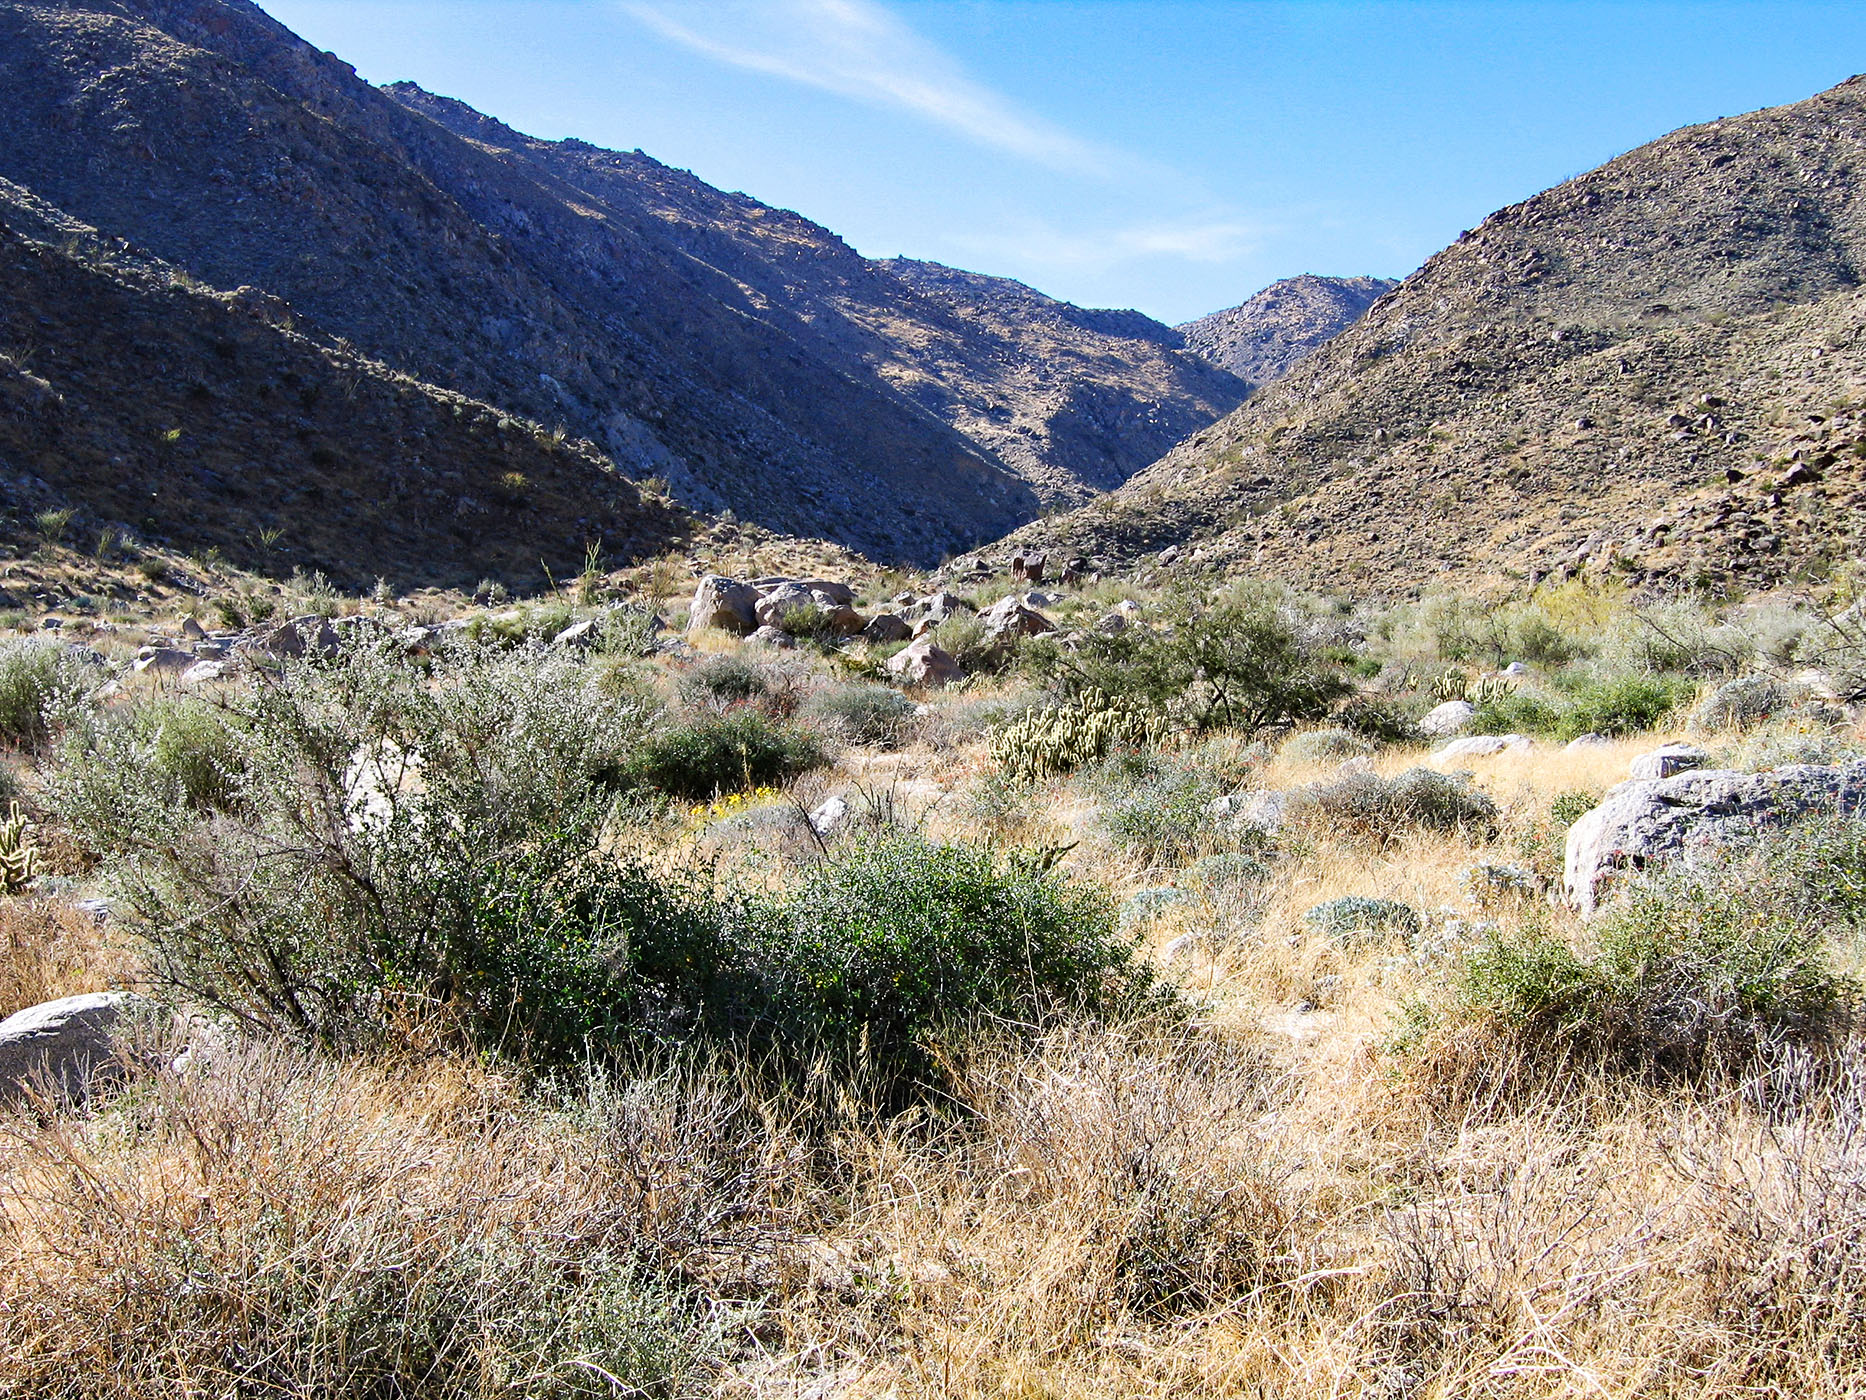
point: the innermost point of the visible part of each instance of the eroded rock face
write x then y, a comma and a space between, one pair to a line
724, 603
887, 627
1648, 823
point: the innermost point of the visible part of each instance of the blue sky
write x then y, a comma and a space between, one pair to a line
1162, 154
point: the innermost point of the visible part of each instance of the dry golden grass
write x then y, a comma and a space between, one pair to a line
49, 950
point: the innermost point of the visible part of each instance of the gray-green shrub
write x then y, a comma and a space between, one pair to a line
38, 680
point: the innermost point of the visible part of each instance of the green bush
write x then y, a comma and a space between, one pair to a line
1742, 704
1231, 664
862, 714
1378, 719
38, 679
1356, 919
1630, 705
1041, 742
1165, 817
724, 680
711, 754
1325, 746
1700, 965
1516, 714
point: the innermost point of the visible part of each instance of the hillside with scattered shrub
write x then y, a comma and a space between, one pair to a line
1652, 372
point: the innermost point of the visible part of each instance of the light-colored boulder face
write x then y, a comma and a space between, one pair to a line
771, 637
1485, 746
1647, 824
164, 661
777, 607
724, 603
924, 663
940, 607
1452, 717
1586, 742
1667, 760
1008, 618
836, 594
63, 1046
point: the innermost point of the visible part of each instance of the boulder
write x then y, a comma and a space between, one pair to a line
579, 636
923, 663
837, 594
193, 630
1452, 717
204, 671
1668, 759
1646, 823
939, 607
1587, 741
1029, 567
772, 637
828, 815
164, 661
1484, 746
724, 603
299, 637
887, 627
1008, 618
1109, 624
65, 1045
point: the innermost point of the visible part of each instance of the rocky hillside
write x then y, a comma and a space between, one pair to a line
1653, 369
744, 355
1260, 340
158, 411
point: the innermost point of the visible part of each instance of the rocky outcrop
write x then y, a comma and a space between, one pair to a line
1262, 340
724, 603
924, 663
1667, 760
1648, 824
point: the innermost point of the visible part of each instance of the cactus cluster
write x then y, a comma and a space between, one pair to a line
19, 858
1481, 690
1060, 737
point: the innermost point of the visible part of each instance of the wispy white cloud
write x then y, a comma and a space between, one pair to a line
1210, 241
860, 50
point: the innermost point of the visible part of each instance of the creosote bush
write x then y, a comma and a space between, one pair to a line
710, 754
1366, 806
862, 714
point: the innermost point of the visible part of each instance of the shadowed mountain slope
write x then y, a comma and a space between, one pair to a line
1653, 368
743, 354
159, 410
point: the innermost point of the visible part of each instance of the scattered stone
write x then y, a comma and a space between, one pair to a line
203, 671
724, 603
193, 630
1485, 746
1452, 717
579, 636
1587, 741
1109, 624
1644, 824
67, 1045
887, 627
1009, 618
164, 661
1668, 759
772, 637
924, 663
298, 637
1029, 567
829, 815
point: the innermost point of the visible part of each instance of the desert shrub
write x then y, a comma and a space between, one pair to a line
1378, 719
1678, 637
1367, 806
1227, 870
1230, 664
709, 754
1145, 905
964, 637
1356, 919
1325, 745
378, 828
1165, 816
1629, 705
1762, 751
192, 746
1517, 713
728, 679
1698, 964
903, 938
862, 714
1742, 704
38, 679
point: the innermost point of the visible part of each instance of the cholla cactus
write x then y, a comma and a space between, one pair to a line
19, 858
1458, 685
1061, 737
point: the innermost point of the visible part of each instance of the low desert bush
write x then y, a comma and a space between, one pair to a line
1742, 704
710, 754
1700, 966
1366, 806
727, 679
1325, 746
862, 714
1355, 920
38, 679
1164, 817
